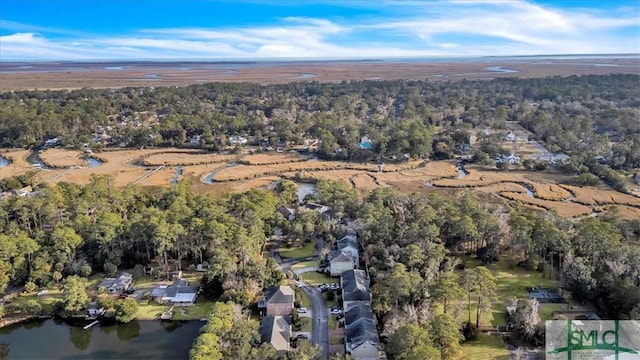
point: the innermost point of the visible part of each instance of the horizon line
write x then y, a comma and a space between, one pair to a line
315, 59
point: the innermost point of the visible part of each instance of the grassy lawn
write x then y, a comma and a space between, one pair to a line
298, 252
333, 323
487, 347
304, 300
316, 278
145, 281
46, 301
202, 309
306, 324
511, 282
305, 264
332, 303
546, 311
151, 311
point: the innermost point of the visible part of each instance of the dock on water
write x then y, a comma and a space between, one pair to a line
90, 325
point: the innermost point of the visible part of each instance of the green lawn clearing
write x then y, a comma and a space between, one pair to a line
333, 323
547, 311
304, 264
151, 311
306, 324
201, 309
298, 252
485, 347
331, 303
316, 278
304, 299
511, 282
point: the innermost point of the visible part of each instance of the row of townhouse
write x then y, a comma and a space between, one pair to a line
361, 337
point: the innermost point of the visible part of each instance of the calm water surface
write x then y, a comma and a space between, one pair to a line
54, 339
3, 162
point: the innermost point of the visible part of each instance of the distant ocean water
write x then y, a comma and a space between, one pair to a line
113, 65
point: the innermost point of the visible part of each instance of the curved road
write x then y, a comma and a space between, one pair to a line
319, 316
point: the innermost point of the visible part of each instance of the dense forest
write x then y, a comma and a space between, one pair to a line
413, 247
578, 115
417, 248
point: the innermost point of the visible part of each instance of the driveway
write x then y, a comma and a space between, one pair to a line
319, 318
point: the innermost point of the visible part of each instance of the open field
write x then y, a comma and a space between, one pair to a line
485, 347
296, 252
60, 75
62, 158
220, 174
269, 159
185, 158
18, 165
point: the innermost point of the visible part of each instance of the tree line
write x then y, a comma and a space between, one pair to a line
574, 114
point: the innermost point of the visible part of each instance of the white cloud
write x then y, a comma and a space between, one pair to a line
411, 28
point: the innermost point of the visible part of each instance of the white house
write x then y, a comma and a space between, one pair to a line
349, 243
179, 294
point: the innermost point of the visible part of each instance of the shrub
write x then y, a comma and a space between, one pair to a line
11, 309
33, 307
110, 269
30, 287
469, 331
586, 179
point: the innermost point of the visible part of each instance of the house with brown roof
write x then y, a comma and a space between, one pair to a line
278, 300
276, 330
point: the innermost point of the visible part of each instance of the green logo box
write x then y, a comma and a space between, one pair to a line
592, 340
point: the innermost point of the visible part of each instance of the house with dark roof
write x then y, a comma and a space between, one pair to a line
276, 330
339, 262
179, 294
349, 243
116, 285
288, 213
360, 333
355, 287
278, 300
323, 210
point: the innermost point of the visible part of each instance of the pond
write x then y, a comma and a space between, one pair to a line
93, 162
55, 339
4, 162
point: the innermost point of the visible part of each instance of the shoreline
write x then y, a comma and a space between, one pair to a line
4, 322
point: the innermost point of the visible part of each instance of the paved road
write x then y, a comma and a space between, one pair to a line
319, 317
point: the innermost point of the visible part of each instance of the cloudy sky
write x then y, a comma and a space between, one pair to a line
310, 29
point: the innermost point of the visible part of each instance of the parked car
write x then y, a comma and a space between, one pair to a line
336, 311
303, 336
130, 290
123, 296
302, 310
334, 286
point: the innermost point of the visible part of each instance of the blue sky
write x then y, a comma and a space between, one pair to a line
334, 29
